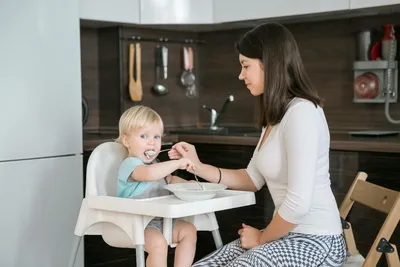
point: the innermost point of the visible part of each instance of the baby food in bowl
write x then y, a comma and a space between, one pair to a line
194, 192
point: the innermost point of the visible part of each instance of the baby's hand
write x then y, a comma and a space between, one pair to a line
185, 164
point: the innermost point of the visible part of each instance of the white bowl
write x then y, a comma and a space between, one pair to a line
192, 191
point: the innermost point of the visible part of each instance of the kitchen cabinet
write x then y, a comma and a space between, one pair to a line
238, 10
153, 12
356, 4
123, 11
176, 12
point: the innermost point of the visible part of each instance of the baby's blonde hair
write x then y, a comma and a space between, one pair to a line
137, 117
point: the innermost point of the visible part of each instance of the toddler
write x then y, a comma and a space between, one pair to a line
141, 175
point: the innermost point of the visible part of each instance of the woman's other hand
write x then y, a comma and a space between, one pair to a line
185, 150
249, 236
179, 150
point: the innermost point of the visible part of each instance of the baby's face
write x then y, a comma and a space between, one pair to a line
144, 143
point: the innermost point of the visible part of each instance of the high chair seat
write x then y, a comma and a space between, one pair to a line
121, 221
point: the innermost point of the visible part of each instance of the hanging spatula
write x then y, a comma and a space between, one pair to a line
135, 86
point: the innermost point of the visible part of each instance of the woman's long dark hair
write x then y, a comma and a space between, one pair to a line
284, 73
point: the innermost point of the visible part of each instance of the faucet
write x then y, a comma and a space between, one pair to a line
215, 116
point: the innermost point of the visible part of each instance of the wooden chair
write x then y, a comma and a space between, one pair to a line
381, 199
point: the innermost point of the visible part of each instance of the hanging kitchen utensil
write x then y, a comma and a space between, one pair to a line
139, 71
187, 77
164, 51
135, 86
158, 89
132, 83
191, 90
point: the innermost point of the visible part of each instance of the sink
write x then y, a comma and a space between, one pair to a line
226, 131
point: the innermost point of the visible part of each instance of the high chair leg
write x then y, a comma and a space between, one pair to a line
74, 251
217, 238
140, 262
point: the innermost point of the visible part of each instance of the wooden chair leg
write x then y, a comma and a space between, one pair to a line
350, 241
385, 233
393, 258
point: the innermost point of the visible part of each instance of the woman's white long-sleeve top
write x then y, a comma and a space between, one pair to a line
294, 164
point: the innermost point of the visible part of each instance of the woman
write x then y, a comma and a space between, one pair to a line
291, 158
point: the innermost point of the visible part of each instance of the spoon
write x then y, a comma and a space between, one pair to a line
195, 176
152, 153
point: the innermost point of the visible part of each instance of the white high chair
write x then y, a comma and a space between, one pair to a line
104, 214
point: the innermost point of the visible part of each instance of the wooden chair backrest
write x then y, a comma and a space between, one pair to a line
379, 198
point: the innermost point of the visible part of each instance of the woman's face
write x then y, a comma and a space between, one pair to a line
252, 74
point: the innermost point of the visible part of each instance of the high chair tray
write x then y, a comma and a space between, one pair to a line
172, 207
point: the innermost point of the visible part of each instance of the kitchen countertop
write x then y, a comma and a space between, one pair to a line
339, 141
344, 141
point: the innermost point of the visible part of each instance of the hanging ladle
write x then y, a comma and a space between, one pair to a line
160, 56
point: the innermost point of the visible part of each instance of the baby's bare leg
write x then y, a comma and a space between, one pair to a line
185, 235
157, 247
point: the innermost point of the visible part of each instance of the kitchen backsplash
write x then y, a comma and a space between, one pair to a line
90, 75
327, 48
175, 108
105, 77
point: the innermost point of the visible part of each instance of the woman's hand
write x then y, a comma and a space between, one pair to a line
249, 236
185, 150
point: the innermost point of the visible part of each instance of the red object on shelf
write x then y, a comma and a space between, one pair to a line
388, 32
366, 85
376, 51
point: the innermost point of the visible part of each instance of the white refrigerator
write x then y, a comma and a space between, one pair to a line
41, 179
